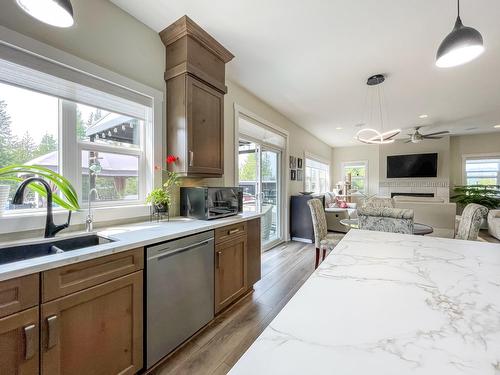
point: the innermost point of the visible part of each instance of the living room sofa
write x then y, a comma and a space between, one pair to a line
494, 223
431, 211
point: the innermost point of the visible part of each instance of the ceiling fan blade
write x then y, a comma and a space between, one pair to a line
430, 137
408, 141
392, 136
437, 133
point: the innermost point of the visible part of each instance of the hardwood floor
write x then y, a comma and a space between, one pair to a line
217, 348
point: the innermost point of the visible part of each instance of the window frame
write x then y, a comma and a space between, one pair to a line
351, 163
318, 159
485, 156
152, 141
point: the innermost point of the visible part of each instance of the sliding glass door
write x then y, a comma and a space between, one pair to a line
260, 177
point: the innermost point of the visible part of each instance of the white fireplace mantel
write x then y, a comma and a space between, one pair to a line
440, 188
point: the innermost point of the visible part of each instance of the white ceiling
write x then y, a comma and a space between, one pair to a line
310, 60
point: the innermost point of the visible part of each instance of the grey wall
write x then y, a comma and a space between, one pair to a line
103, 34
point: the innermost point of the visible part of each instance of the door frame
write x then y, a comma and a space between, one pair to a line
284, 167
263, 148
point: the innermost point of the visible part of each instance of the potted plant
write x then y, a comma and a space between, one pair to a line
160, 198
485, 195
68, 198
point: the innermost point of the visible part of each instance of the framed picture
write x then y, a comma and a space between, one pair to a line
299, 165
293, 174
300, 174
293, 162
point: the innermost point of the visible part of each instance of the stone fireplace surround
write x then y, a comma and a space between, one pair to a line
439, 188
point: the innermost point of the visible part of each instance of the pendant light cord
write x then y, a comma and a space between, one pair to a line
458, 8
380, 110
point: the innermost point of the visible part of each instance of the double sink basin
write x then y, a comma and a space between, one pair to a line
47, 247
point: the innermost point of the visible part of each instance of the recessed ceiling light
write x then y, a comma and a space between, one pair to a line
497, 126
423, 116
339, 128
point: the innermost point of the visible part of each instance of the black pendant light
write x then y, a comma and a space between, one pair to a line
53, 12
462, 45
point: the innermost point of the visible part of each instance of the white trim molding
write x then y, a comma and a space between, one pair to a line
284, 168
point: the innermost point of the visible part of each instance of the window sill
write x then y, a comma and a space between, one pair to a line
25, 221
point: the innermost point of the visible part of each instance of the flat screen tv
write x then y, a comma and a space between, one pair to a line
414, 165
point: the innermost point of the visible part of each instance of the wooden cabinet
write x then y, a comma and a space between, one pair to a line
237, 261
254, 251
18, 294
195, 129
19, 343
91, 321
195, 76
230, 271
95, 331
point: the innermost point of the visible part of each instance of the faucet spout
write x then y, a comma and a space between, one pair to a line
89, 222
50, 228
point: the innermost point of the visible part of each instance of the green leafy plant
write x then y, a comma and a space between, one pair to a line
485, 195
158, 197
69, 199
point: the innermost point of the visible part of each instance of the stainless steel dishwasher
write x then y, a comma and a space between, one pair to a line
180, 292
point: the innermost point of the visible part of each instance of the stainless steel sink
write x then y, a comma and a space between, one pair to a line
16, 253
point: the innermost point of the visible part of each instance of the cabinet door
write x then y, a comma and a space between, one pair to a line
230, 271
19, 346
95, 331
205, 111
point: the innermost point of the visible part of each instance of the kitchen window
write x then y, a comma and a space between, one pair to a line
482, 170
317, 176
359, 174
95, 133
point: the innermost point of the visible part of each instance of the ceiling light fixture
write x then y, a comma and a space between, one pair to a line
497, 126
423, 116
462, 45
338, 128
371, 135
57, 13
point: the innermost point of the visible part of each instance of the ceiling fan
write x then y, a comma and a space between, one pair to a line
418, 137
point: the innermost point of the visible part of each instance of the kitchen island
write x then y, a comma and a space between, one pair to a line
391, 304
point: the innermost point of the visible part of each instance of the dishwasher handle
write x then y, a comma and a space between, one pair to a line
168, 253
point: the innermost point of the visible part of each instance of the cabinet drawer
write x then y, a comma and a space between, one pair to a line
69, 279
18, 294
230, 231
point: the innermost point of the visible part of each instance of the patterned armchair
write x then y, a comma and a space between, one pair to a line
470, 222
322, 239
379, 202
384, 219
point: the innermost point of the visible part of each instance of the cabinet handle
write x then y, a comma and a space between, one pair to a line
233, 231
52, 331
29, 341
219, 254
191, 158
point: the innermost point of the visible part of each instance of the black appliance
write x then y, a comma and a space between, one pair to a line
207, 203
414, 165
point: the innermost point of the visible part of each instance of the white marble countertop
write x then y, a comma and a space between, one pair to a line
127, 237
389, 304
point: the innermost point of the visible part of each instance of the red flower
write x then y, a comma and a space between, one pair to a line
172, 159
